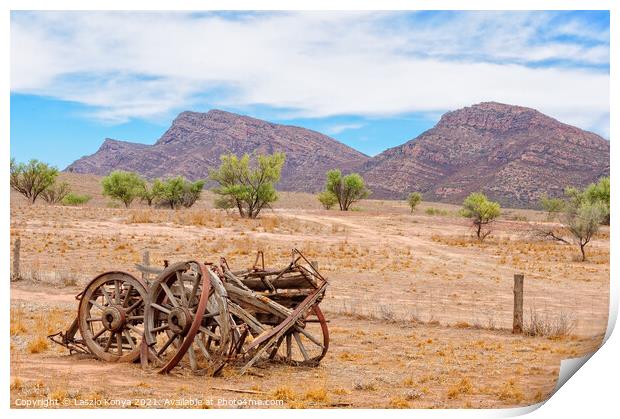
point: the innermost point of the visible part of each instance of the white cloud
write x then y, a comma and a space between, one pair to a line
338, 128
136, 65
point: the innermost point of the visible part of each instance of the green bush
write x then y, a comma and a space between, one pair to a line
435, 211
74, 199
246, 186
347, 189
123, 186
32, 179
327, 199
413, 200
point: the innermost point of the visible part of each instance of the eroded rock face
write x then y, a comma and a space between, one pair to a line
195, 141
511, 153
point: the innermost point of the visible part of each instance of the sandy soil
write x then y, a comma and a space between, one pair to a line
419, 311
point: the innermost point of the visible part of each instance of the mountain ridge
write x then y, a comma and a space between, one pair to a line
512, 153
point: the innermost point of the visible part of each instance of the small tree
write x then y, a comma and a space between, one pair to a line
600, 192
191, 192
32, 178
327, 199
148, 194
123, 186
347, 189
553, 206
248, 187
56, 192
481, 211
414, 200
584, 211
583, 222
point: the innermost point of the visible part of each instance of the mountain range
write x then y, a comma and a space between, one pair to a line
513, 154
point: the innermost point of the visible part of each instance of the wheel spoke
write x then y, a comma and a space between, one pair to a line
106, 295
310, 336
129, 339
289, 347
108, 343
99, 333
117, 291
163, 348
134, 305
171, 297
192, 358
126, 299
91, 319
96, 304
301, 346
119, 343
160, 328
209, 333
160, 308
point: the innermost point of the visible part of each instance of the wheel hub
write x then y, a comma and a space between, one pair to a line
179, 320
113, 318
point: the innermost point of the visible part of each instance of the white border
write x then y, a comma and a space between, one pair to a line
592, 392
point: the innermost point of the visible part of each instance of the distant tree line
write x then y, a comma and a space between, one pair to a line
248, 186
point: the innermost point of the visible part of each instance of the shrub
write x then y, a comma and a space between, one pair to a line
553, 206
177, 191
123, 186
245, 186
347, 189
75, 199
32, 178
327, 199
481, 211
56, 192
413, 200
436, 211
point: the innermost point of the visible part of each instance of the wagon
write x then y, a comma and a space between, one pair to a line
203, 316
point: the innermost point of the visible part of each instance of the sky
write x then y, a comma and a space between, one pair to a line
372, 80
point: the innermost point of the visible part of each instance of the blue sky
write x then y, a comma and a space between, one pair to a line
371, 80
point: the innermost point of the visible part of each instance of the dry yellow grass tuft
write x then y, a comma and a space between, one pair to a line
462, 387
38, 345
511, 392
399, 403
284, 393
317, 395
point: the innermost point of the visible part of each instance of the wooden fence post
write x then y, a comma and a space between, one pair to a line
16, 247
146, 261
517, 320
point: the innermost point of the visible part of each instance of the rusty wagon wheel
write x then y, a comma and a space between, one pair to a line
186, 315
304, 344
111, 316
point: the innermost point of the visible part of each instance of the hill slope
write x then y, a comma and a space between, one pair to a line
513, 154
195, 141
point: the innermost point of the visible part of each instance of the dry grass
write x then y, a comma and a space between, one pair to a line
38, 345
462, 387
546, 326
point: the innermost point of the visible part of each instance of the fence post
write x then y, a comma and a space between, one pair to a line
517, 320
146, 261
16, 247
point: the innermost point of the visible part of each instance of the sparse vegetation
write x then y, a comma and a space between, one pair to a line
327, 199
553, 206
175, 192
56, 192
74, 199
481, 211
32, 179
247, 187
584, 212
436, 211
413, 200
123, 186
543, 325
347, 189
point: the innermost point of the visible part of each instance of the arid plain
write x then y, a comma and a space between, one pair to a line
420, 312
